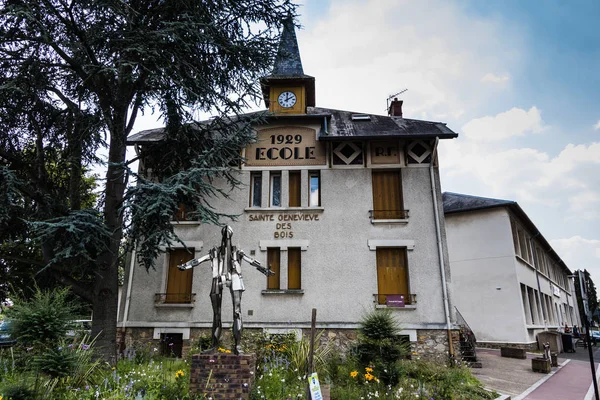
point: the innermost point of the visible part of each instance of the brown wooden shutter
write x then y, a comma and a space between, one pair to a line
273, 258
295, 184
392, 273
387, 195
294, 270
179, 283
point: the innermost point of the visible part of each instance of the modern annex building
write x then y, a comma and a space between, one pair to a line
344, 206
509, 284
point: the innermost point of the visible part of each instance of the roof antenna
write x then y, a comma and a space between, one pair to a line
391, 97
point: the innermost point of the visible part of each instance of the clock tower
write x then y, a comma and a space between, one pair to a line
287, 90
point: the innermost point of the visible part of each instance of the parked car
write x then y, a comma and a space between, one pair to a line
6, 339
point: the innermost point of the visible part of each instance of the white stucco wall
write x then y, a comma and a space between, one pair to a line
339, 274
485, 284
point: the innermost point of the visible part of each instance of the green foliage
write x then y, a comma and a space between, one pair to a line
298, 355
279, 383
18, 391
378, 324
422, 380
379, 346
76, 73
42, 320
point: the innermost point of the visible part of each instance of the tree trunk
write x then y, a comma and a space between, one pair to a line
104, 318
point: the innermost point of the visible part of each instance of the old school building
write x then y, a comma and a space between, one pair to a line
509, 283
344, 206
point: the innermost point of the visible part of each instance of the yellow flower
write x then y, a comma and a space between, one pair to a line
369, 377
221, 350
368, 369
178, 374
352, 374
227, 351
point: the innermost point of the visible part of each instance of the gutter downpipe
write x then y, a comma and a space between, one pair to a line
129, 283
440, 249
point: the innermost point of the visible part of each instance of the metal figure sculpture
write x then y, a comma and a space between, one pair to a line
226, 271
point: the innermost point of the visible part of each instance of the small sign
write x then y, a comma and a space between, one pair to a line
315, 387
385, 152
286, 146
555, 290
394, 300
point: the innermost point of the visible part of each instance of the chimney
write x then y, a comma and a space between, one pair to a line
395, 109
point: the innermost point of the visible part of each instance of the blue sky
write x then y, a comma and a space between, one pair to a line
518, 80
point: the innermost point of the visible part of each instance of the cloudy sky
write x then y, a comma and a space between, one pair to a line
519, 81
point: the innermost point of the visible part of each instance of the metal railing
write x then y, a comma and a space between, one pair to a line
410, 299
174, 298
468, 341
388, 214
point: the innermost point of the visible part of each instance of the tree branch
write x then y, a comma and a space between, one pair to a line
80, 289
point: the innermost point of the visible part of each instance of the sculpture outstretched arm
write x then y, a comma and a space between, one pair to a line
256, 264
196, 261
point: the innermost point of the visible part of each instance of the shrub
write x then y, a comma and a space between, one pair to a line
298, 355
378, 325
379, 346
43, 319
18, 391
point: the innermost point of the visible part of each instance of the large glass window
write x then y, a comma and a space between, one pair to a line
255, 189
275, 189
314, 182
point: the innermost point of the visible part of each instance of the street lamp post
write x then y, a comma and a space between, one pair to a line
583, 290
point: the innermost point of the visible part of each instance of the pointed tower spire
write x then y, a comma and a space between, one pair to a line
288, 62
288, 74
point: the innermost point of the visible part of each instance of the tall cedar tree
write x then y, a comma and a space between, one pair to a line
74, 74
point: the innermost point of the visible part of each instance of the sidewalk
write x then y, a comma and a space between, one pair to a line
572, 380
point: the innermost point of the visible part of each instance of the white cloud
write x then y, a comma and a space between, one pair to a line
514, 122
580, 253
362, 51
597, 126
568, 181
490, 77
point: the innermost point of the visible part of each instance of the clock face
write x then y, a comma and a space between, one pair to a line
287, 99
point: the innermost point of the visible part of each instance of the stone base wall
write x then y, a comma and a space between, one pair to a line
497, 345
431, 344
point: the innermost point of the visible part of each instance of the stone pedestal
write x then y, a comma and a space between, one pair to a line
222, 376
541, 365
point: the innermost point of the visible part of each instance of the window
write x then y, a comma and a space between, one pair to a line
295, 188
179, 283
294, 270
171, 344
387, 195
275, 189
255, 189
273, 261
314, 187
392, 273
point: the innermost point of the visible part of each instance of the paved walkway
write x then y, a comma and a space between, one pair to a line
572, 380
